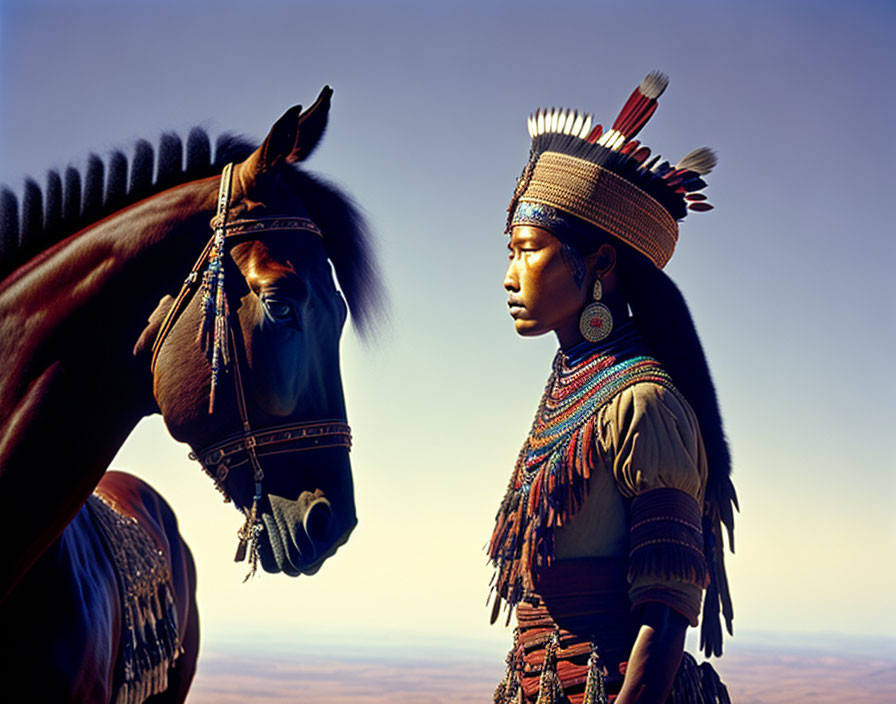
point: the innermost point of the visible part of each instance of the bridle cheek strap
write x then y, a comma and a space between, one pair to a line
217, 340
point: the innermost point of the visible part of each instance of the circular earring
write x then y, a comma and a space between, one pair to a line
596, 321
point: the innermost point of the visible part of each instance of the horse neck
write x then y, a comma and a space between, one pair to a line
72, 389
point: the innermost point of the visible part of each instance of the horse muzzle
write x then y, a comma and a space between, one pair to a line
300, 534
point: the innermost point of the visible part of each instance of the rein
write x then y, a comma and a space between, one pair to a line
217, 340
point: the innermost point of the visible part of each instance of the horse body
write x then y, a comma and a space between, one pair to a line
78, 324
62, 623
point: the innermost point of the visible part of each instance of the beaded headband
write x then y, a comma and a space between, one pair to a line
608, 179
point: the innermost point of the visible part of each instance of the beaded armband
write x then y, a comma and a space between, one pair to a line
666, 541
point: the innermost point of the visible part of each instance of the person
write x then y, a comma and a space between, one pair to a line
611, 527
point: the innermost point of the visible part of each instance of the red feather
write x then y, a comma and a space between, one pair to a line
635, 101
595, 134
641, 155
634, 122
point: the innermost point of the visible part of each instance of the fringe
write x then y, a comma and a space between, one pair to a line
510, 689
550, 690
150, 643
523, 535
721, 501
595, 688
671, 561
697, 684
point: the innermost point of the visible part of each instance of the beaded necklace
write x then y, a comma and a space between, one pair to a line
549, 480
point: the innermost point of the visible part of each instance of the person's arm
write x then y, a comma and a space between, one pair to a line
655, 656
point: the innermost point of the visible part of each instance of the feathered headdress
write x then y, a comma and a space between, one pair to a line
608, 178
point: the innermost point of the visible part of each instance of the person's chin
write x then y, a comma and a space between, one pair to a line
527, 328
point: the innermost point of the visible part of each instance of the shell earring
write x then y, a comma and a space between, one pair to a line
596, 321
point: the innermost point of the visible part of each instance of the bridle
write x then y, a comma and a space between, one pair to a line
217, 340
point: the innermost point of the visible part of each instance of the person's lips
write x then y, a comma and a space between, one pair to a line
516, 307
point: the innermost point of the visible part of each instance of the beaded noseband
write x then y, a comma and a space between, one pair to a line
217, 341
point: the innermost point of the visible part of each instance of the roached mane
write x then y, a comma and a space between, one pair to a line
73, 201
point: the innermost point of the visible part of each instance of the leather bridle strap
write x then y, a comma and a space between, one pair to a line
218, 460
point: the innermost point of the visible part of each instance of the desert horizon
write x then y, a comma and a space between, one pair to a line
765, 668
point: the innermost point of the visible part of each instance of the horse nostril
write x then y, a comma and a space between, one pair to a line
318, 520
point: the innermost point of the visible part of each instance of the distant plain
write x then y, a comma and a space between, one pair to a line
761, 670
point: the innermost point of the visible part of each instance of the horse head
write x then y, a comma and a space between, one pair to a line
256, 329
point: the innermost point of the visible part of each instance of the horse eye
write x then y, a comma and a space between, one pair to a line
279, 310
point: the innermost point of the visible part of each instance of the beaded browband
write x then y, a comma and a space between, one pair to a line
217, 341
606, 178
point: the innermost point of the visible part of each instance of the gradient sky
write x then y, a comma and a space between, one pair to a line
789, 279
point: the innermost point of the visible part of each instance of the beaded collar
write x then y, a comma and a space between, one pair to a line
549, 480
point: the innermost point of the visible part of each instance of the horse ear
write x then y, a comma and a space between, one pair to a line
295, 135
312, 124
148, 336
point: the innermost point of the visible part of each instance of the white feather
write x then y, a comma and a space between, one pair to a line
539, 121
586, 127
654, 84
567, 124
702, 160
530, 126
555, 118
577, 125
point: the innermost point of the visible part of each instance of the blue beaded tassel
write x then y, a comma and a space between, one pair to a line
214, 331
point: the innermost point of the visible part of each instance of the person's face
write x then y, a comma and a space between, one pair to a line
542, 293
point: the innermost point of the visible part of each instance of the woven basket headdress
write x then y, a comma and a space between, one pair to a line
608, 178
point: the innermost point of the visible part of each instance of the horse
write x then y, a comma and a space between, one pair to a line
99, 327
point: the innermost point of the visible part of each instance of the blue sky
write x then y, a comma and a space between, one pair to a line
789, 278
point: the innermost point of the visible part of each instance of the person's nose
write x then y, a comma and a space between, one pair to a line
511, 279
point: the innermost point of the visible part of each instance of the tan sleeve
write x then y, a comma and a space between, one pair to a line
659, 462
654, 440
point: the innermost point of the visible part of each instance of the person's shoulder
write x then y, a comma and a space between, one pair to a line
659, 395
656, 439
652, 394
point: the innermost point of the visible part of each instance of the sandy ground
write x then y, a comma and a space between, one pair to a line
753, 676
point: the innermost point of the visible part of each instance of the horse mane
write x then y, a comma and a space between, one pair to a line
349, 246
74, 200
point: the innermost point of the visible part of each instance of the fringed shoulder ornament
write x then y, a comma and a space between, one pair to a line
550, 478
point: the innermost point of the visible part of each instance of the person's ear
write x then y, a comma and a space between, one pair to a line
602, 261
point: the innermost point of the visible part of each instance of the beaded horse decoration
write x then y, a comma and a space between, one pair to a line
150, 642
